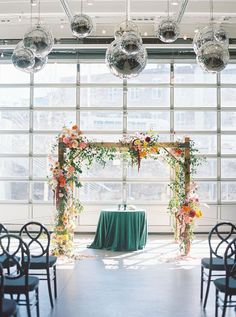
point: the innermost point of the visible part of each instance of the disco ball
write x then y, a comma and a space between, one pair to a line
22, 58
221, 36
39, 64
39, 40
123, 65
213, 57
209, 34
131, 43
125, 26
81, 25
168, 31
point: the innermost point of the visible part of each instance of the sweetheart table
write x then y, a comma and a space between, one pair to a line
121, 230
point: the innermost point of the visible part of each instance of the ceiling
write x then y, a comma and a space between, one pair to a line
15, 16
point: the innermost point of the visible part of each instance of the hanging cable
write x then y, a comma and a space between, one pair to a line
39, 12
168, 9
81, 6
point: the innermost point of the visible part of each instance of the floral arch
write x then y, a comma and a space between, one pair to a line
75, 149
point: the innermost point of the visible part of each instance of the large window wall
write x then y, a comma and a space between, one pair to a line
173, 99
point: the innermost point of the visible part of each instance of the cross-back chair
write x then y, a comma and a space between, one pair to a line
227, 284
17, 281
38, 240
8, 307
218, 239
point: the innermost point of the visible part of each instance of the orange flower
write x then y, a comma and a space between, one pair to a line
143, 154
75, 127
62, 181
186, 208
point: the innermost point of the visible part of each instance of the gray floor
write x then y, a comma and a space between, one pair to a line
153, 282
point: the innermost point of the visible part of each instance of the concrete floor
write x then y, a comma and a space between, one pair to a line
153, 282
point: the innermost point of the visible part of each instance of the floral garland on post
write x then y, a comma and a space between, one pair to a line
184, 209
78, 150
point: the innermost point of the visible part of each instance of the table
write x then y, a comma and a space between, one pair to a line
121, 230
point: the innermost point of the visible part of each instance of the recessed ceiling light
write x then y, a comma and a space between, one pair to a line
104, 31
20, 18
185, 37
145, 34
174, 3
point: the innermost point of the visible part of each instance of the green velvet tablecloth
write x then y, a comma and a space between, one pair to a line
121, 231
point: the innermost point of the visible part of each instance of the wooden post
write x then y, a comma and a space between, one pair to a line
187, 165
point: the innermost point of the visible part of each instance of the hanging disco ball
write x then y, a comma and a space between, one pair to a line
131, 43
123, 65
22, 58
39, 40
213, 57
209, 34
168, 31
125, 27
221, 36
81, 25
39, 63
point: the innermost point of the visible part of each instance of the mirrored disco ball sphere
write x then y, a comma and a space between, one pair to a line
123, 65
39, 40
221, 36
209, 34
213, 57
125, 26
168, 31
22, 58
81, 25
131, 43
39, 64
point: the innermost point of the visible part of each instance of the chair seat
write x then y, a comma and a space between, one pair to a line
9, 307
38, 263
216, 265
17, 286
220, 284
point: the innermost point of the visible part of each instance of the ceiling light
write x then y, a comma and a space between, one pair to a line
145, 34
20, 18
174, 3
2, 55
62, 25
104, 31
90, 2
185, 37
33, 3
196, 30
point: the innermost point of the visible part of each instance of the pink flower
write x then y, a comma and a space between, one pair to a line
66, 140
82, 145
71, 169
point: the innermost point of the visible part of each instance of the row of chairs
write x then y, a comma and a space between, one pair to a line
21, 258
220, 267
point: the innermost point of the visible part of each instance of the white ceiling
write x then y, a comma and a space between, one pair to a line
15, 16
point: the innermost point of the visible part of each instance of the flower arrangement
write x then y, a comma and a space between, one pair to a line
185, 209
78, 150
141, 145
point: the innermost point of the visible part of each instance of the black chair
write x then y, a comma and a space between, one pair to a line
18, 282
219, 237
8, 307
227, 284
37, 238
3, 257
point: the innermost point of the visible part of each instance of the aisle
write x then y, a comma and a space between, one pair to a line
144, 283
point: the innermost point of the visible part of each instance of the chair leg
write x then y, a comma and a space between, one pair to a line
225, 305
37, 301
216, 303
201, 293
28, 304
49, 287
207, 289
55, 280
